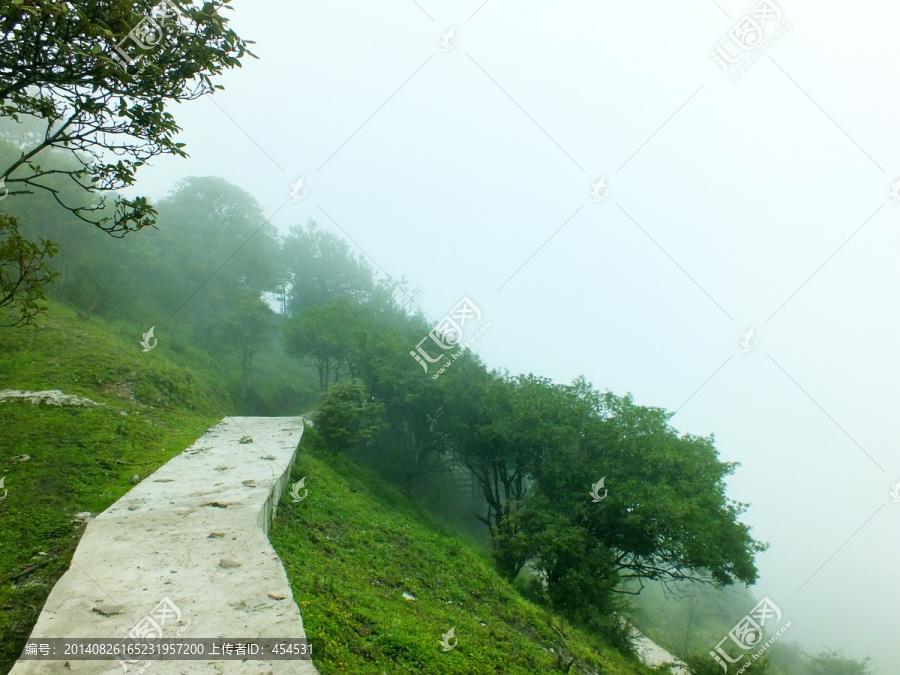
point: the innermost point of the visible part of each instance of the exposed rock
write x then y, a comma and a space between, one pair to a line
49, 397
651, 654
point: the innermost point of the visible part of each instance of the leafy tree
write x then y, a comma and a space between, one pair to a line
371, 342
349, 322
507, 424
246, 330
23, 273
415, 406
212, 247
348, 418
59, 64
678, 527
537, 449
321, 267
322, 332
702, 664
42, 221
830, 662
577, 575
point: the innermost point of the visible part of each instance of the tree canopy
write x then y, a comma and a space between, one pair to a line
62, 63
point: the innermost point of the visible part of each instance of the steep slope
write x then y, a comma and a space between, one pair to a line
380, 585
352, 548
61, 460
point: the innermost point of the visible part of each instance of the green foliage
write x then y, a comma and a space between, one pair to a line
321, 267
701, 664
356, 544
347, 417
199, 278
579, 576
532, 447
57, 67
829, 662
24, 273
212, 248
680, 526
245, 330
322, 332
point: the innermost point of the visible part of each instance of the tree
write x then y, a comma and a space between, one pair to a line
347, 417
677, 526
212, 247
537, 448
23, 273
415, 406
830, 662
322, 267
246, 330
64, 63
508, 423
322, 331
702, 664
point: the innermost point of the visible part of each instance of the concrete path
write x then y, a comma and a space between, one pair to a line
194, 532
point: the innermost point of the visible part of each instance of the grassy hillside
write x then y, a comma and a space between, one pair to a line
355, 545
80, 459
352, 548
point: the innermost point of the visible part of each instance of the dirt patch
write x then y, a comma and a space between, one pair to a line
123, 390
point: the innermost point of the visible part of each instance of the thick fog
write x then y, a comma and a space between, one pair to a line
758, 202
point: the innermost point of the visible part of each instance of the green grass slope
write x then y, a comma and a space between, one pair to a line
80, 459
355, 545
352, 548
